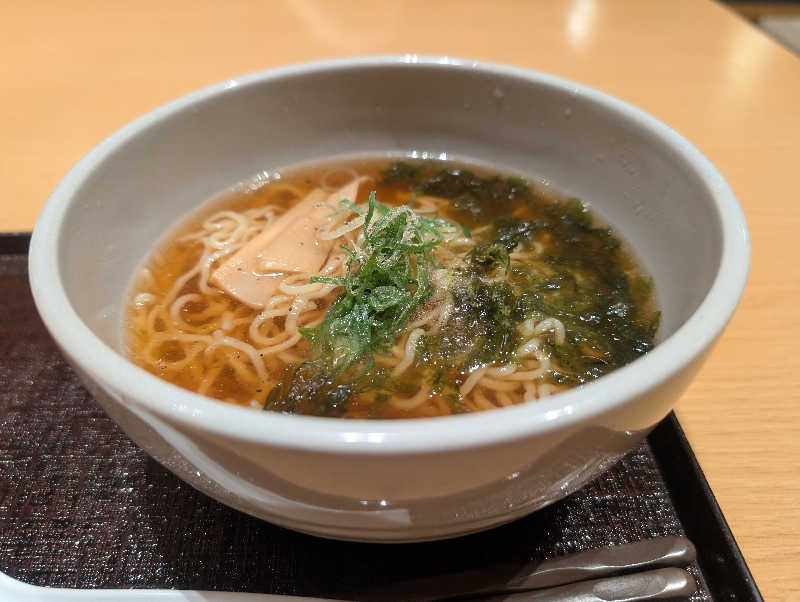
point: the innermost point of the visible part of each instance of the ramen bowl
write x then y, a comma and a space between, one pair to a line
390, 480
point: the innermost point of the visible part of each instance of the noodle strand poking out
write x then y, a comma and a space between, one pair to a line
410, 349
502, 309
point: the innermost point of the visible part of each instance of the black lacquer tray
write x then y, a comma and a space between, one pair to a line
82, 506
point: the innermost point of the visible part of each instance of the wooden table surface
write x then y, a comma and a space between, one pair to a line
74, 72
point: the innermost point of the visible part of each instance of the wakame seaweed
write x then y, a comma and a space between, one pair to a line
310, 388
574, 270
473, 199
507, 233
480, 330
400, 172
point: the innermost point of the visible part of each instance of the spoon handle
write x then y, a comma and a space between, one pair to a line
645, 554
660, 584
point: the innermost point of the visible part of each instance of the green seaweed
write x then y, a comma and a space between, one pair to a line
581, 275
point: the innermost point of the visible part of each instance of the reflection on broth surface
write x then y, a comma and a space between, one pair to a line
375, 289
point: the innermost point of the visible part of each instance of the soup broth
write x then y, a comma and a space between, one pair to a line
379, 289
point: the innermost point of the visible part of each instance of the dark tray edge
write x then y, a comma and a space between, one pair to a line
726, 572
14, 243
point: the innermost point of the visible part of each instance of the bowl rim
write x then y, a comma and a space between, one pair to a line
399, 436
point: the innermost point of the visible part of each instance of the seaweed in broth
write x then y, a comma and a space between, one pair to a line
529, 294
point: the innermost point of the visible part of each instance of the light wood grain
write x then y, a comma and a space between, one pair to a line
74, 72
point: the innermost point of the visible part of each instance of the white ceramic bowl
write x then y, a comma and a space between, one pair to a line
398, 480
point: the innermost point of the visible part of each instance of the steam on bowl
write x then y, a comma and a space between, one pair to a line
382, 480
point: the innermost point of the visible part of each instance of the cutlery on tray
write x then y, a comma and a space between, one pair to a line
591, 564
582, 577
